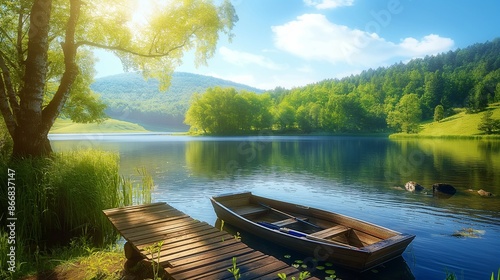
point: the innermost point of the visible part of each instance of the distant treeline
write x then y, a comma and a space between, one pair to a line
394, 98
129, 97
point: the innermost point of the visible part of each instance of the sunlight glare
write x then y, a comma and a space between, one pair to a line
142, 10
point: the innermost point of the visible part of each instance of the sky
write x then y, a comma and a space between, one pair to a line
292, 43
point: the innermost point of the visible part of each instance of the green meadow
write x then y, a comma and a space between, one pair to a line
107, 126
460, 125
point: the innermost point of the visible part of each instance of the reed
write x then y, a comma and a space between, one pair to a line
61, 198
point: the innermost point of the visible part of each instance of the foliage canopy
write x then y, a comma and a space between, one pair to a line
46, 63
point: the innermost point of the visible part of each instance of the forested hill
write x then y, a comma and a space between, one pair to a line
398, 97
387, 99
132, 98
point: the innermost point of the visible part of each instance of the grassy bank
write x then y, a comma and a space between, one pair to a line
460, 125
58, 208
108, 126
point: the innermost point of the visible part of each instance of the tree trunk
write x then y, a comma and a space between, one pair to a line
30, 142
33, 120
30, 136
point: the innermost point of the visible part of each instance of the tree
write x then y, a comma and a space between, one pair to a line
488, 124
438, 113
258, 115
284, 115
407, 114
344, 113
45, 41
432, 90
224, 110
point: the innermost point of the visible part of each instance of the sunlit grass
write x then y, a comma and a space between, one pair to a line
79, 260
461, 125
108, 126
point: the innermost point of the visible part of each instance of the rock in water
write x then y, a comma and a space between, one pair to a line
440, 188
412, 186
482, 192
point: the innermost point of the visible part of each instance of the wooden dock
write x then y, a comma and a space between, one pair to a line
191, 249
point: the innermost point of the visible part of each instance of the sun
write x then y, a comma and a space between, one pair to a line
141, 11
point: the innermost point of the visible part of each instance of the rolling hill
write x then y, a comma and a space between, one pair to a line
132, 98
107, 126
460, 125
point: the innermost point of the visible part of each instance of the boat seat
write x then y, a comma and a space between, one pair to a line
248, 210
287, 222
331, 232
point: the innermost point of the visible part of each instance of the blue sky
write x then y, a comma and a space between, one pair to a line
292, 43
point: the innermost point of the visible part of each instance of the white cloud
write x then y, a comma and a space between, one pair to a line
328, 4
243, 59
314, 37
430, 44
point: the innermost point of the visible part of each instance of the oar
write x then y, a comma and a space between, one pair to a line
290, 216
301, 234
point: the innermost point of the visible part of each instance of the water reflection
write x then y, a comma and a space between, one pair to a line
374, 162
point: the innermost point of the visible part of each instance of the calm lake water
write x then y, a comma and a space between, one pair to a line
359, 177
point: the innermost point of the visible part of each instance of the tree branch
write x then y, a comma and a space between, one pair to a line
7, 36
121, 49
7, 95
52, 110
19, 45
9, 61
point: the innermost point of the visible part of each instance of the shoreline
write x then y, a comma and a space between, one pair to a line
55, 136
448, 137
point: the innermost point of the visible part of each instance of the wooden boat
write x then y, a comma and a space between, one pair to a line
324, 235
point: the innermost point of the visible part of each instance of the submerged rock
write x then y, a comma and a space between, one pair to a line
412, 186
469, 232
482, 192
444, 188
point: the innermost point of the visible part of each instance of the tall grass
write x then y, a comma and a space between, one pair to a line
62, 197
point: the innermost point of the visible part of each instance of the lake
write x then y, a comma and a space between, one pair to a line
361, 177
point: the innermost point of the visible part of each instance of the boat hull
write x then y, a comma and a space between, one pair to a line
352, 257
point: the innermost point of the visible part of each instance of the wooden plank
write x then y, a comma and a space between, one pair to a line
330, 232
174, 223
128, 228
168, 244
265, 268
290, 272
138, 217
175, 255
197, 247
247, 210
153, 226
242, 255
223, 273
202, 257
222, 265
134, 224
186, 229
142, 217
133, 208
172, 233
288, 222
145, 211
191, 232
158, 226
